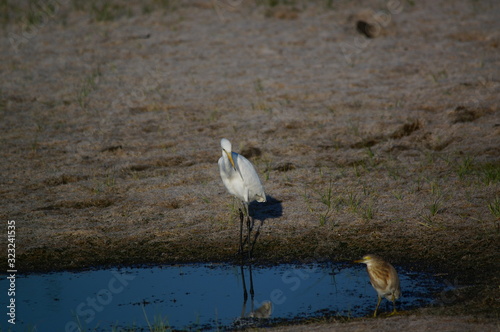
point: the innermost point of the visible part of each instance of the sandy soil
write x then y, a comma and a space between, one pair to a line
396, 324
111, 118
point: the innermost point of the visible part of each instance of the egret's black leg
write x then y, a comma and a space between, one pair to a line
240, 251
248, 237
256, 235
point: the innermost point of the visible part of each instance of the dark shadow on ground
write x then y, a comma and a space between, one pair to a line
270, 209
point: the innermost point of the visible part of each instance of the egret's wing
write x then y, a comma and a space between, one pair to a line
250, 177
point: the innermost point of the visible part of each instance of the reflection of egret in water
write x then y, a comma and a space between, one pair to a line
252, 317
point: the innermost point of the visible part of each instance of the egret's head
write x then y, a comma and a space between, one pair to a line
226, 148
225, 145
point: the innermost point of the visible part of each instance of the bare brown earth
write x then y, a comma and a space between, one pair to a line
111, 118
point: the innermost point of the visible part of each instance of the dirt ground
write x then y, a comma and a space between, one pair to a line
112, 114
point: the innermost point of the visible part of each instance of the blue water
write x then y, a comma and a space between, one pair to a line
207, 296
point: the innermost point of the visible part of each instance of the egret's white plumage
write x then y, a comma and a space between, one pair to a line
241, 180
239, 175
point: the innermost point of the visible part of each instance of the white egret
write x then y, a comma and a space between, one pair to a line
241, 180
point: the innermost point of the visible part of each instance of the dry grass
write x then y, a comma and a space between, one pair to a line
110, 134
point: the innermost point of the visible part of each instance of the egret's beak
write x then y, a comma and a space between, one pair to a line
230, 159
359, 261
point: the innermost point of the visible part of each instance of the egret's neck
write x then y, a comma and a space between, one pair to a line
227, 163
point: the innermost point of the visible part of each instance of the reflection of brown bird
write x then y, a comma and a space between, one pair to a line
383, 278
264, 311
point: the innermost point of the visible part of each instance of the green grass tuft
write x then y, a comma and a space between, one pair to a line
494, 207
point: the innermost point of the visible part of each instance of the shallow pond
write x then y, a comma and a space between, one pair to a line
204, 296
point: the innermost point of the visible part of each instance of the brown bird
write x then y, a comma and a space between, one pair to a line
383, 278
